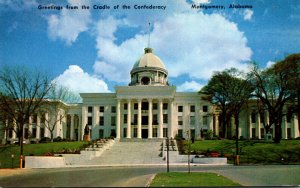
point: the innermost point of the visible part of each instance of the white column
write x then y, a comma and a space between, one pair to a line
150, 118
119, 119
78, 126
211, 125
14, 135
160, 118
72, 127
170, 127
139, 128
217, 124
128, 118
284, 128
29, 127
95, 116
83, 120
294, 127
38, 127
258, 126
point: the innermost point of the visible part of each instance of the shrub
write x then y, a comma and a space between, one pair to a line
45, 140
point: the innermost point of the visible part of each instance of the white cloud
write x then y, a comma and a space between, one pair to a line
69, 23
248, 14
190, 86
269, 64
201, 1
79, 81
192, 44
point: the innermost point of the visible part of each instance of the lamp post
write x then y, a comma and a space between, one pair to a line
12, 160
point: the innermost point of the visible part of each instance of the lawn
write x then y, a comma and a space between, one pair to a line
251, 152
35, 150
184, 179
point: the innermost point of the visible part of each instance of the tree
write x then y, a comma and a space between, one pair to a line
229, 90
215, 92
292, 62
273, 89
56, 106
22, 93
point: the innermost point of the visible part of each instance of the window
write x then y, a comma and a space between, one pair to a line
192, 108
253, 117
101, 109
125, 118
10, 133
165, 118
90, 109
154, 132
124, 132
113, 109
180, 122
135, 106
154, 106
253, 133
192, 120
180, 108
193, 133
205, 108
145, 106
101, 120
125, 106
262, 132
113, 132
135, 119
165, 106
113, 120
90, 120
134, 132
165, 132
33, 135
289, 133
155, 120
180, 133
42, 132
205, 120
101, 133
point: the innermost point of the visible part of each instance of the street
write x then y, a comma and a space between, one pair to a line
270, 175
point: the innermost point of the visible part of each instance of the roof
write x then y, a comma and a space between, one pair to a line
149, 60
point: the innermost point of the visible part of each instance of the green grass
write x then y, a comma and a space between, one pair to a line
252, 152
36, 150
181, 179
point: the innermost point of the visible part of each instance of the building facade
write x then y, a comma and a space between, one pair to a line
148, 108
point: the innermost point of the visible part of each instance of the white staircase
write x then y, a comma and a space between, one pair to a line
129, 153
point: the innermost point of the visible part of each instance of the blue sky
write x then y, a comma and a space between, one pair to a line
94, 50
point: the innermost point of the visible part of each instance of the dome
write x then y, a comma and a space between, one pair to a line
149, 70
149, 60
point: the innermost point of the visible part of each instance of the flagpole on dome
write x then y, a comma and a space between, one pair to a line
149, 26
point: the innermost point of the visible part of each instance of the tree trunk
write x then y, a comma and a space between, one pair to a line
236, 121
51, 136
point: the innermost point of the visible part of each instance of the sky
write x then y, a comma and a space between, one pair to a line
93, 50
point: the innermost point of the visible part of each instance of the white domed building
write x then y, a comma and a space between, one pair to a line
148, 108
